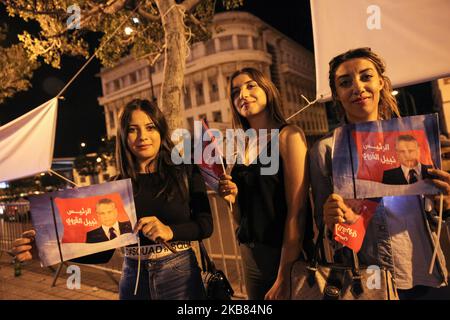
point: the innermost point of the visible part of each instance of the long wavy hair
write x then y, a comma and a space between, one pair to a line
173, 177
387, 106
274, 103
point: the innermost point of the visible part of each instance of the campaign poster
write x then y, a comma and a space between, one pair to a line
86, 220
386, 158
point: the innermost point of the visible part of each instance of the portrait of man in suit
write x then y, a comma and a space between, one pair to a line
410, 170
110, 228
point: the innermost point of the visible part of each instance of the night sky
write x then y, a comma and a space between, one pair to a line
81, 119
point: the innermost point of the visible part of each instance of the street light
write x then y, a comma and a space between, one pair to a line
98, 160
128, 30
83, 145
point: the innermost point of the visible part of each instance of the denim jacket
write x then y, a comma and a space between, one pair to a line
376, 248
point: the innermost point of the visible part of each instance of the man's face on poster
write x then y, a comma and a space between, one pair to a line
107, 214
408, 153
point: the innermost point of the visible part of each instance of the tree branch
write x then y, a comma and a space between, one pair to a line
197, 23
189, 5
148, 15
11, 4
114, 6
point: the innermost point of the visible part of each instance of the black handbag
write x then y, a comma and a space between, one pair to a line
217, 286
331, 281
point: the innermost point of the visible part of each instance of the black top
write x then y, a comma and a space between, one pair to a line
189, 219
262, 203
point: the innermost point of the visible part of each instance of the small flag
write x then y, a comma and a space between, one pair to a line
211, 162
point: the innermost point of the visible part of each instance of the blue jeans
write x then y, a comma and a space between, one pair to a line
174, 277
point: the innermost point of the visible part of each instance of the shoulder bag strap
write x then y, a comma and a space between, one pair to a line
312, 268
357, 288
207, 263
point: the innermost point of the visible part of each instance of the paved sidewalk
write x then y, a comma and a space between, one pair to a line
35, 283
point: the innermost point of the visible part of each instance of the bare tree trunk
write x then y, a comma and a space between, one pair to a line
175, 61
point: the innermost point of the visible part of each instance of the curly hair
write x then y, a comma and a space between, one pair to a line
388, 104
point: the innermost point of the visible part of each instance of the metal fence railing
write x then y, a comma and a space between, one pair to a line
14, 220
222, 245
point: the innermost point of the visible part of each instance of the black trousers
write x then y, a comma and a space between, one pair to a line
425, 293
261, 264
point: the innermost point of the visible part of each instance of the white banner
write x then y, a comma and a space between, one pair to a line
26, 143
413, 36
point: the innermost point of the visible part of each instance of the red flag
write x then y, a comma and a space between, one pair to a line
211, 172
352, 235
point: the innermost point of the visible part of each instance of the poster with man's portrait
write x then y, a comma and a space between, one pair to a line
386, 158
81, 221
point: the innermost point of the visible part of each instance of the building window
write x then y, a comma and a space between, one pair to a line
190, 122
199, 96
109, 87
141, 74
288, 92
133, 78
209, 47
116, 85
112, 122
256, 43
243, 42
187, 98
106, 177
217, 116
226, 43
213, 89
82, 179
